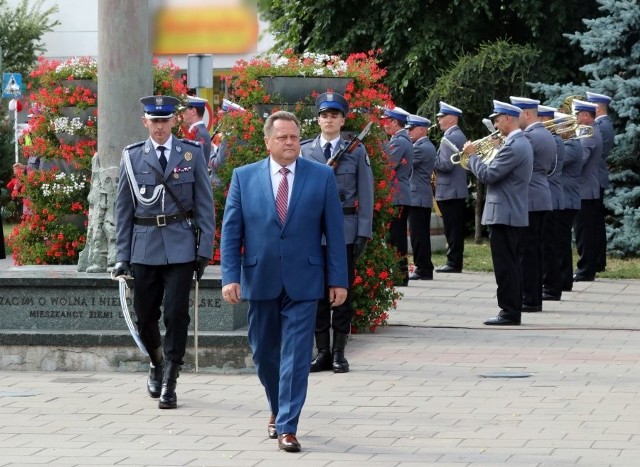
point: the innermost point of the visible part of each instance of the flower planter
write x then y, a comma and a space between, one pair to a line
85, 83
70, 140
303, 111
83, 114
297, 88
78, 220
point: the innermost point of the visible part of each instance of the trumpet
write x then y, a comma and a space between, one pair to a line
486, 148
568, 127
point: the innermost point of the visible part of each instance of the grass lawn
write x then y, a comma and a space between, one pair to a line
7, 230
478, 258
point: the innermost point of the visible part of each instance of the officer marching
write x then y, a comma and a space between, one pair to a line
163, 194
355, 184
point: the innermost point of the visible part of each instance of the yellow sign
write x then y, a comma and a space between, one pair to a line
206, 30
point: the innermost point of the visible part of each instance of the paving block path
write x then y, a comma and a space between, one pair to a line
434, 387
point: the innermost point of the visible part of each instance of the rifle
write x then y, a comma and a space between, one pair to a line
349, 147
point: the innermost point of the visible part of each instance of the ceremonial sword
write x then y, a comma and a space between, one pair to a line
123, 290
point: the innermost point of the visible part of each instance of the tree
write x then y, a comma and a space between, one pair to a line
419, 38
613, 41
21, 31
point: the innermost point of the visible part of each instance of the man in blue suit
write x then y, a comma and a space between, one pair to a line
276, 214
505, 208
164, 189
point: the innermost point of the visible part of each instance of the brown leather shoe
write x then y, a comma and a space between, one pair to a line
288, 442
271, 427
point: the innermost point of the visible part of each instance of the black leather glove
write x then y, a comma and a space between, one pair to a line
359, 246
201, 263
122, 268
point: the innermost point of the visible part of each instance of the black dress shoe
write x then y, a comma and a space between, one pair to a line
501, 321
271, 427
551, 297
415, 276
567, 289
531, 308
579, 278
447, 268
288, 442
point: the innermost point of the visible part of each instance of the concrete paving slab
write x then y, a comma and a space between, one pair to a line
415, 395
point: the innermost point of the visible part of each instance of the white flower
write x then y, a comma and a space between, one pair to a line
64, 184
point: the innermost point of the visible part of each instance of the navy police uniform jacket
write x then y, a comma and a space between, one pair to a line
186, 175
204, 138
354, 178
571, 170
451, 179
555, 178
399, 150
606, 131
591, 157
506, 178
544, 156
424, 158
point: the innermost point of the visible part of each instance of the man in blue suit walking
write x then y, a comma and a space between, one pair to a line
276, 213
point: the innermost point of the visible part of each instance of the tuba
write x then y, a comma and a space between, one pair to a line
486, 148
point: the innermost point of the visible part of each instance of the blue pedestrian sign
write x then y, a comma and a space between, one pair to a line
11, 83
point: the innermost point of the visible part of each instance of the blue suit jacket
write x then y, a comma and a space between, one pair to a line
278, 256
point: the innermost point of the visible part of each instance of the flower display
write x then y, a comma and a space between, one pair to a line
63, 134
374, 294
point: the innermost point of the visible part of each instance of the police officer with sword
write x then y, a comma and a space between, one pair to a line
164, 205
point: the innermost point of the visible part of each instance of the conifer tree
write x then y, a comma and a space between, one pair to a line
613, 42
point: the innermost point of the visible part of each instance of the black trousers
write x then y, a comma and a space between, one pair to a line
565, 247
398, 239
340, 319
586, 238
504, 240
166, 285
420, 225
551, 279
601, 235
531, 258
453, 220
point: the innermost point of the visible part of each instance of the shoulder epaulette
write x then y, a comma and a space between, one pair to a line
306, 141
135, 145
189, 141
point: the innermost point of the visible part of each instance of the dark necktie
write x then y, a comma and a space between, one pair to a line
327, 151
282, 195
162, 158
